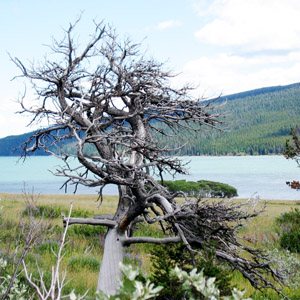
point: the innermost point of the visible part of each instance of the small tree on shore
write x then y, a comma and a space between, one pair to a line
111, 99
292, 151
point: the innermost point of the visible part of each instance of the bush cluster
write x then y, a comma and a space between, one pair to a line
202, 188
288, 228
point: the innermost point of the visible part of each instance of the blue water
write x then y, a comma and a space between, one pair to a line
264, 176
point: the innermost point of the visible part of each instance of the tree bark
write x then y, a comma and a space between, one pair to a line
110, 274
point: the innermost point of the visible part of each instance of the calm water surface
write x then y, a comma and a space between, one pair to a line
263, 175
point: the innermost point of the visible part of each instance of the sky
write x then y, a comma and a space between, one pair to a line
219, 46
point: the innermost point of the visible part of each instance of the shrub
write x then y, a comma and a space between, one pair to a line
202, 187
46, 211
194, 285
48, 246
54, 211
18, 290
86, 231
131, 288
217, 189
8, 231
84, 262
80, 213
288, 264
288, 228
166, 257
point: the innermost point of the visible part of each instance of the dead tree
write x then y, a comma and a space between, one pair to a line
114, 104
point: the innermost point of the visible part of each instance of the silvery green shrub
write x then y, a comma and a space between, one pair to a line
288, 264
204, 286
18, 290
133, 289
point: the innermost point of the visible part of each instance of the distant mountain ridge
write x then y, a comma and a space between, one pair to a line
258, 120
259, 91
10, 145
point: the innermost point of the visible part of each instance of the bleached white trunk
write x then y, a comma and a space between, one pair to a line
110, 274
114, 250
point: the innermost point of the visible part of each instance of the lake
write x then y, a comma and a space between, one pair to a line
264, 176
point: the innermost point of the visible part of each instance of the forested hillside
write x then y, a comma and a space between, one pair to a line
10, 145
257, 123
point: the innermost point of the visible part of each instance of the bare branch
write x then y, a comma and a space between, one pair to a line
90, 221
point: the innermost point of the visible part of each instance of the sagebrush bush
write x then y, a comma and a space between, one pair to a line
19, 289
288, 228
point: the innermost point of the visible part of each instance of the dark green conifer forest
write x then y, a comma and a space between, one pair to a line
256, 123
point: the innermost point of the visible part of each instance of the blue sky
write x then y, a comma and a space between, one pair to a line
221, 46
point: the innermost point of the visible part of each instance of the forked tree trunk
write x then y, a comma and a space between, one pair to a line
110, 274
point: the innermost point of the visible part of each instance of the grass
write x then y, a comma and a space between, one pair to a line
85, 247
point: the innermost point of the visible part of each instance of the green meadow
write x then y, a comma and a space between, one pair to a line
84, 249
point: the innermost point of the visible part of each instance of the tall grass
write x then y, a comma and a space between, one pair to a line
85, 247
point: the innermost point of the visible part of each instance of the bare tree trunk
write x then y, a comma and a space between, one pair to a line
110, 274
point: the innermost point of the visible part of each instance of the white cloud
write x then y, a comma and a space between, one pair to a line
253, 44
168, 24
226, 74
252, 25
